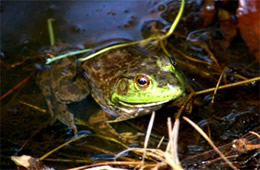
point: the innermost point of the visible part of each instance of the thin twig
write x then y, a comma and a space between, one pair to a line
32, 106
61, 146
254, 133
21, 83
228, 85
147, 137
191, 58
217, 86
174, 144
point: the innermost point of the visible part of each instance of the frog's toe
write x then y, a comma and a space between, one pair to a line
63, 115
75, 130
131, 138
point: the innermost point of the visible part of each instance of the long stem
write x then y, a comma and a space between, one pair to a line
177, 19
51, 32
228, 85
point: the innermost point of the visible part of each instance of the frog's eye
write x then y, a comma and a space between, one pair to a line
142, 81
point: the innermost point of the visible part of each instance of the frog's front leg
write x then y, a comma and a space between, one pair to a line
61, 113
60, 86
99, 121
69, 91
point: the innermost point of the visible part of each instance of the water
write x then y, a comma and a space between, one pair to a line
85, 23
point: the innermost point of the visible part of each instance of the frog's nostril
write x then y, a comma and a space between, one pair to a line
173, 61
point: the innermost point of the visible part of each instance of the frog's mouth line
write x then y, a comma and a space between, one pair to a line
134, 105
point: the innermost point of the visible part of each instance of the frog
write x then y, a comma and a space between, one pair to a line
126, 83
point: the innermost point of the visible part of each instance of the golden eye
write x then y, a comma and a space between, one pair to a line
142, 81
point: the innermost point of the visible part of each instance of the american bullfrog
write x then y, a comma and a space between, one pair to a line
126, 82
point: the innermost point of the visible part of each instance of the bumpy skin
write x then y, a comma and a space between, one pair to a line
112, 78
60, 85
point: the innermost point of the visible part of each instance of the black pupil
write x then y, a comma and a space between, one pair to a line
141, 81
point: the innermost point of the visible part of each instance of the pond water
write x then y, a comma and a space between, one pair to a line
24, 35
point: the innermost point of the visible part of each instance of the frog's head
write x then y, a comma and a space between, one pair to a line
151, 82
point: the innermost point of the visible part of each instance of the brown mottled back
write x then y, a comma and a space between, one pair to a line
104, 70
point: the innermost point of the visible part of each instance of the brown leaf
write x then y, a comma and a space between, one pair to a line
249, 24
29, 163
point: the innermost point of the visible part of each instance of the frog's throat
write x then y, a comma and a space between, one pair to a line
133, 105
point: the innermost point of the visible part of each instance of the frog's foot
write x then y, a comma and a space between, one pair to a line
106, 129
100, 123
68, 119
182, 101
129, 137
61, 113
